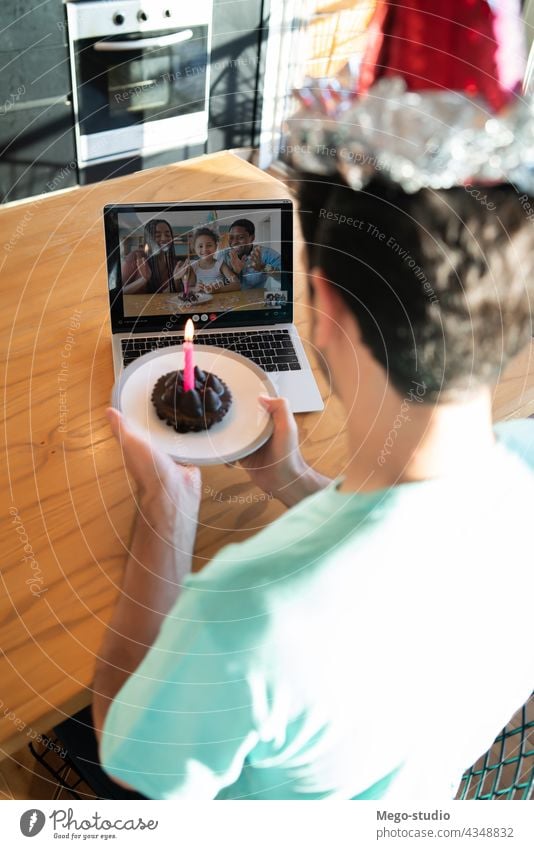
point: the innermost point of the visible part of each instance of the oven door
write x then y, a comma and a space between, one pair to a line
142, 91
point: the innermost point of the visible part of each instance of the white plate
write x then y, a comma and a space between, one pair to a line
245, 427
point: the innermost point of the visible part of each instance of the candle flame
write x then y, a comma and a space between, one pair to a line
189, 331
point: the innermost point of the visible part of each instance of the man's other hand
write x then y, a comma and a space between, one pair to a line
278, 467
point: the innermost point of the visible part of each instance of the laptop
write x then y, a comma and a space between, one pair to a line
234, 282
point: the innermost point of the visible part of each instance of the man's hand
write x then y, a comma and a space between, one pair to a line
238, 263
278, 467
256, 260
169, 493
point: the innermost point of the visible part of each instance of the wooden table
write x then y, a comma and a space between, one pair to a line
68, 502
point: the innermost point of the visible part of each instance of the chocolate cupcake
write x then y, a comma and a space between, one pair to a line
194, 410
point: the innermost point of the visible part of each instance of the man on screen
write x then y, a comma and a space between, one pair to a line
253, 263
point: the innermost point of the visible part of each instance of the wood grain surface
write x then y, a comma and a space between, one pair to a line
68, 503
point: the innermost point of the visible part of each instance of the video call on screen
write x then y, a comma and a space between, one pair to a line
210, 261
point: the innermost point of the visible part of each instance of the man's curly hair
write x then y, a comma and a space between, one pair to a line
440, 281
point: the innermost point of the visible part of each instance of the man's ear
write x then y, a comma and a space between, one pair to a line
328, 307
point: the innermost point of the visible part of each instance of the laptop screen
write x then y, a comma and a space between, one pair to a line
220, 263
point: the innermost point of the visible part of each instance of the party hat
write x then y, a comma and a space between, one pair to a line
436, 101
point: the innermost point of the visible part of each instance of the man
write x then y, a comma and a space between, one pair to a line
361, 645
254, 263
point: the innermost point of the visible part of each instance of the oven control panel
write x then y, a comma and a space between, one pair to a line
97, 18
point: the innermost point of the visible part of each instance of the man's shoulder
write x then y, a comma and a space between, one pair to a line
271, 253
518, 438
288, 550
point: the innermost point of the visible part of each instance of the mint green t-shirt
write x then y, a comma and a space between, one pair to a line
360, 646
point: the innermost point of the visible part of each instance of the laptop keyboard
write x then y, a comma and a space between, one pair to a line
272, 350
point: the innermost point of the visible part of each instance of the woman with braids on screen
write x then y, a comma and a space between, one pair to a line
156, 269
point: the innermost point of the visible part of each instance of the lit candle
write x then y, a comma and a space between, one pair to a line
189, 369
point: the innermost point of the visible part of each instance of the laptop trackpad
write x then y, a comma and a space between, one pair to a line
300, 389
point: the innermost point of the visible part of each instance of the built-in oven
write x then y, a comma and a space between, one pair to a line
140, 74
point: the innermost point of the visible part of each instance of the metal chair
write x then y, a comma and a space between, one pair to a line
79, 761
506, 771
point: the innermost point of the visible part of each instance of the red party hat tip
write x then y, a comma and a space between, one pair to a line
471, 46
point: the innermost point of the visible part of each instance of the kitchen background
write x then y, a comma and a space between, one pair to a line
92, 89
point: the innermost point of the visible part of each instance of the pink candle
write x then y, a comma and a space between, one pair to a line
189, 368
